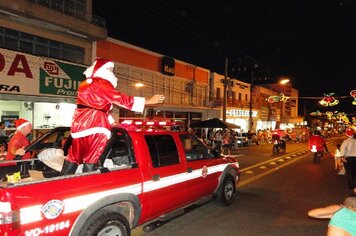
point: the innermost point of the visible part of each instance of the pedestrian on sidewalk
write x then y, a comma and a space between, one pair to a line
348, 154
338, 162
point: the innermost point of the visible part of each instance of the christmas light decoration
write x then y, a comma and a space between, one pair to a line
316, 113
329, 100
353, 94
280, 97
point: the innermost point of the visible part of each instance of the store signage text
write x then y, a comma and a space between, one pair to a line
66, 87
59, 78
19, 64
240, 113
9, 88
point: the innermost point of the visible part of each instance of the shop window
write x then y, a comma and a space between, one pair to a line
23, 42
26, 47
10, 43
168, 114
218, 97
195, 115
181, 115
54, 52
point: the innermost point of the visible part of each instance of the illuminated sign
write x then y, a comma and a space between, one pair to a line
168, 66
240, 113
26, 74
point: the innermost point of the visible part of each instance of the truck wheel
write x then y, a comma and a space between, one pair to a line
105, 223
226, 191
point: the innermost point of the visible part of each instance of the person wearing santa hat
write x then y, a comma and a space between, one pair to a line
19, 141
348, 154
91, 122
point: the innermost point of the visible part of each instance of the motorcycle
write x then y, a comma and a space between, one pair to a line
279, 145
317, 154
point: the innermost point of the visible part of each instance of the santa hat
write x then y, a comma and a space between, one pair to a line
20, 123
103, 69
349, 133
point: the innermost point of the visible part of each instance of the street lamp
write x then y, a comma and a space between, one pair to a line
282, 81
139, 86
250, 105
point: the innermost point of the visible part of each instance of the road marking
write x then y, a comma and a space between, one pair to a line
263, 167
273, 163
288, 157
263, 163
249, 180
280, 160
249, 172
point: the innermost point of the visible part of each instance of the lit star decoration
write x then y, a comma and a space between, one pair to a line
353, 94
329, 100
279, 98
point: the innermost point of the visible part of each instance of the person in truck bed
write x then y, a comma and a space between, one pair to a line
91, 122
19, 141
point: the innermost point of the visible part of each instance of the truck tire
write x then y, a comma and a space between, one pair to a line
105, 223
226, 191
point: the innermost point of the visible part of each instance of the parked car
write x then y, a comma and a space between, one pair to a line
242, 139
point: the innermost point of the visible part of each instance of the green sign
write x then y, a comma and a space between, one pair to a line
61, 79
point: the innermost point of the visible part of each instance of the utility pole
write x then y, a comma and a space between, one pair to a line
225, 81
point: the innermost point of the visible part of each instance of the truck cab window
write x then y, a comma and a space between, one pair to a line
193, 148
163, 150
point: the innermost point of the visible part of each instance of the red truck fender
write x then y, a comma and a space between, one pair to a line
126, 204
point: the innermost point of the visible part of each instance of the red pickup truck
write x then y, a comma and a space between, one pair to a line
145, 175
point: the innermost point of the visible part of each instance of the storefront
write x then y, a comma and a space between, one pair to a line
241, 117
38, 89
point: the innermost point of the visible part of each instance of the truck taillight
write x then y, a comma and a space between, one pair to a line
7, 215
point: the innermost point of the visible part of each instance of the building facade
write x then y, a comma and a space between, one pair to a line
185, 86
44, 47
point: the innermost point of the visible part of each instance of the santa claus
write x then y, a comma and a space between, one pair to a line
91, 122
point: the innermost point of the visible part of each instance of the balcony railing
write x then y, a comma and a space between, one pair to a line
71, 8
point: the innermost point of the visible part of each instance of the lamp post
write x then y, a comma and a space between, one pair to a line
251, 90
225, 81
282, 81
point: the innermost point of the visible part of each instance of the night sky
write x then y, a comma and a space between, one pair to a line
311, 41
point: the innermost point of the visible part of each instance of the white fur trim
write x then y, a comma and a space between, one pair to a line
106, 72
111, 119
22, 125
94, 130
139, 104
89, 71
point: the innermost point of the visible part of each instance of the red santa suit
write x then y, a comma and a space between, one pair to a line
90, 128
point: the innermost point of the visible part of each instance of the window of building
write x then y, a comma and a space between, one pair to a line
246, 97
163, 150
218, 94
240, 96
27, 43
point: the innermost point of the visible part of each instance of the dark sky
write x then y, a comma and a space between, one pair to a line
312, 41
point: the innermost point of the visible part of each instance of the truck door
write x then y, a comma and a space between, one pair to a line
166, 189
201, 167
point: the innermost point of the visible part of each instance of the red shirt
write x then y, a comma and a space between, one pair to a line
17, 141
